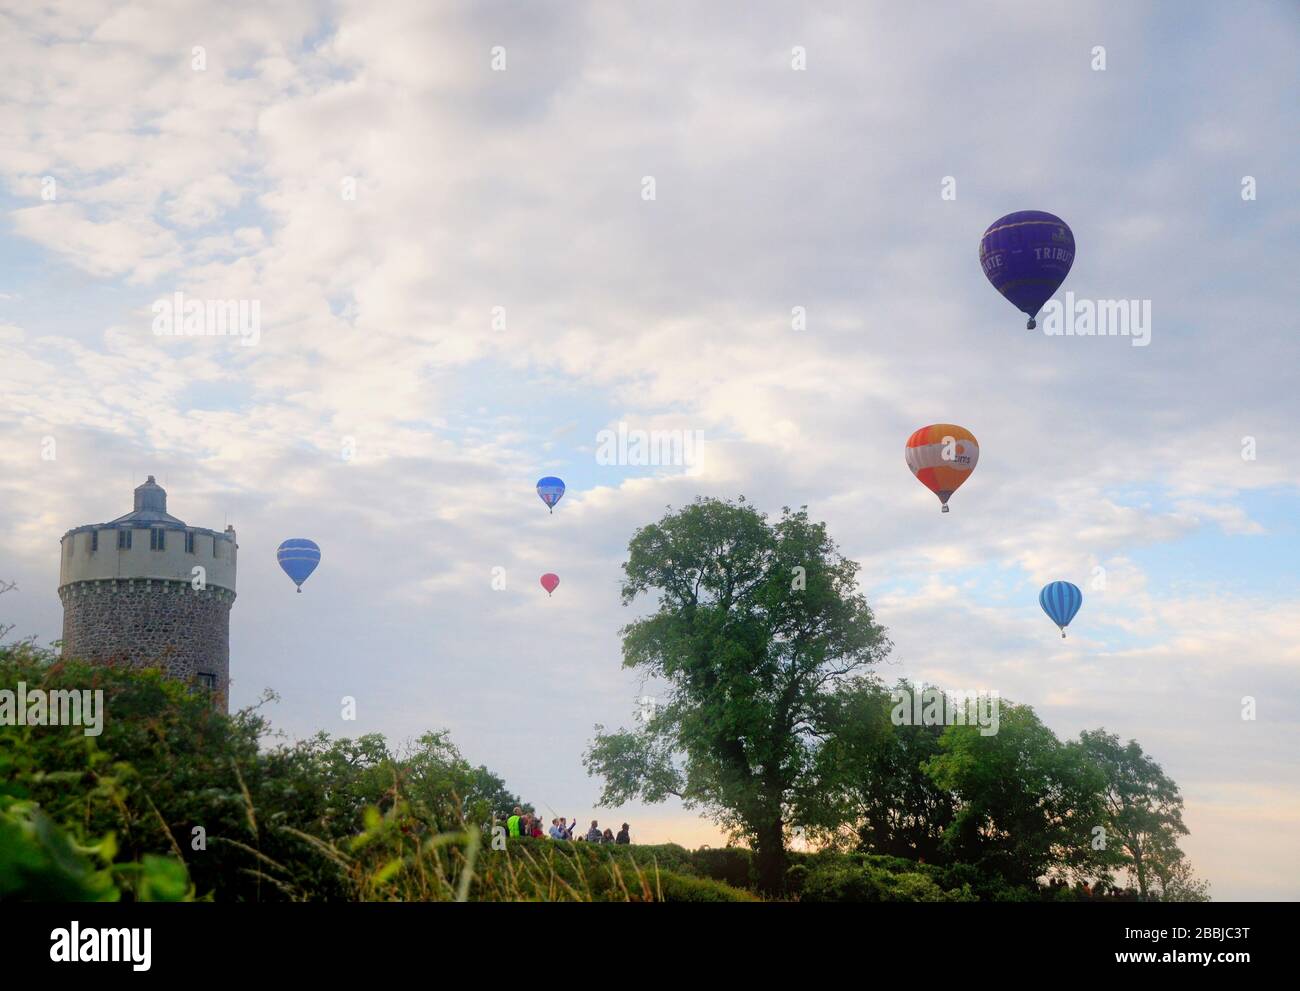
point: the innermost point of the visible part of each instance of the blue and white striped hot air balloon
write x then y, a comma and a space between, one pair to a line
1060, 600
298, 558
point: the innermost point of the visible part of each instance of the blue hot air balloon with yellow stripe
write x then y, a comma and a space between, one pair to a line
1060, 600
298, 558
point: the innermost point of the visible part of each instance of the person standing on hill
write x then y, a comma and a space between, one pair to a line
623, 836
608, 836
512, 824
594, 834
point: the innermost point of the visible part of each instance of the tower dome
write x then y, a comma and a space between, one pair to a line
151, 498
149, 590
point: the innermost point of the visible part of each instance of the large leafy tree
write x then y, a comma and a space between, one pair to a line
1144, 812
1027, 803
759, 627
870, 789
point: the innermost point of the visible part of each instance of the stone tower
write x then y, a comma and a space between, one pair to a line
146, 589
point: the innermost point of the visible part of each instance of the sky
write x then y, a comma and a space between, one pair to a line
502, 287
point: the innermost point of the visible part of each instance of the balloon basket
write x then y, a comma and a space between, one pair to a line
1032, 324
945, 508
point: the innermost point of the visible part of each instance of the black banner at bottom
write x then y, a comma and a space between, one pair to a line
334, 942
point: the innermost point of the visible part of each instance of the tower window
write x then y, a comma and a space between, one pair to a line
124, 540
189, 542
207, 680
157, 538
94, 541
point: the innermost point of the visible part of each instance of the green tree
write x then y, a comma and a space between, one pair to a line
1026, 803
1175, 881
870, 788
447, 790
1144, 810
759, 627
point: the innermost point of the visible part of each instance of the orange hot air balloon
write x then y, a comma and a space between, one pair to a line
942, 456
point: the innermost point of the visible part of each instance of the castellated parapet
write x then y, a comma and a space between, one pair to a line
150, 591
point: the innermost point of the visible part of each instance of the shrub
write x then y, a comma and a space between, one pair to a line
679, 888
731, 865
795, 879
856, 879
668, 856
277, 821
40, 862
842, 882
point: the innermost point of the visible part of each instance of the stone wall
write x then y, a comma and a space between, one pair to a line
146, 623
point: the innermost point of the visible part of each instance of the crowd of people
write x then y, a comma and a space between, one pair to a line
521, 823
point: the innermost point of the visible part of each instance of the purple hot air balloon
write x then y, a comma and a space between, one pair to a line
1027, 256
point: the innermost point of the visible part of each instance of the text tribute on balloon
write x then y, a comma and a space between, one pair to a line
1027, 256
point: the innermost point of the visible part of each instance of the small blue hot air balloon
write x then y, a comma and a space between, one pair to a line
1060, 600
550, 489
1027, 256
298, 558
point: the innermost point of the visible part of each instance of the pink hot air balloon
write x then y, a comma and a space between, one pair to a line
550, 582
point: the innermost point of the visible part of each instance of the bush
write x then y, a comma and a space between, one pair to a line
40, 862
795, 879
668, 856
305, 821
731, 865
859, 879
842, 882
919, 888
679, 888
